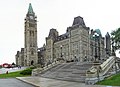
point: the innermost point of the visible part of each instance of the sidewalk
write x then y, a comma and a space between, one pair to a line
4, 70
45, 82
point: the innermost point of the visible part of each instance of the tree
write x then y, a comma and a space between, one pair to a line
116, 38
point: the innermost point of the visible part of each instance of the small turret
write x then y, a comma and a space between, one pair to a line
108, 44
107, 35
53, 34
79, 21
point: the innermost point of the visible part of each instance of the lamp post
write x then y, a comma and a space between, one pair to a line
115, 65
61, 51
95, 48
99, 48
98, 74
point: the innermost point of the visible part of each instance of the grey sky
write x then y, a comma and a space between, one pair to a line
59, 14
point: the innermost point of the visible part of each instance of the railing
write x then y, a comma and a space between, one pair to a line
104, 68
38, 71
96, 73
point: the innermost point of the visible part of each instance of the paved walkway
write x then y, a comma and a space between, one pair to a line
45, 82
4, 70
12, 82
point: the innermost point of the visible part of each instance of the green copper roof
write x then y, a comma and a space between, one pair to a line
30, 9
98, 31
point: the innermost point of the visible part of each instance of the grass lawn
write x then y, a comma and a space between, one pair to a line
12, 75
113, 80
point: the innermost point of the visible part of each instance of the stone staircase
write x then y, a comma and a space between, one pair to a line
74, 71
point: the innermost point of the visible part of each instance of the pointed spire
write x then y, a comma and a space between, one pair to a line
107, 34
30, 9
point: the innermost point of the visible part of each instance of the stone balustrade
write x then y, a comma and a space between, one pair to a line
38, 71
97, 73
107, 65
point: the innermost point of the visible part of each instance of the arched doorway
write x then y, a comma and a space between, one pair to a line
32, 62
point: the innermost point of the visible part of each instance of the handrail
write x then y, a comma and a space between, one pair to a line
107, 62
40, 70
103, 68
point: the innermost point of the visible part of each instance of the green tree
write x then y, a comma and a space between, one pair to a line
116, 38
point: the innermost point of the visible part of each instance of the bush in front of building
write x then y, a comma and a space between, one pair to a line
33, 67
0, 66
27, 71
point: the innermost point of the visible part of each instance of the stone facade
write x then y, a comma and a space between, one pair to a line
97, 45
30, 53
30, 41
20, 57
73, 45
41, 55
79, 43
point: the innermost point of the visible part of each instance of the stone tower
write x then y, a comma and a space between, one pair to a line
30, 38
108, 44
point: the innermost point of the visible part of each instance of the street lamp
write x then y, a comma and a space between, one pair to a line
99, 53
61, 51
98, 76
95, 48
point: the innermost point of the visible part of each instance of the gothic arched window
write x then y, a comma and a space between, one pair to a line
32, 52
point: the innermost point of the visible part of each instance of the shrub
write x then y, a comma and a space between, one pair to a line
32, 67
0, 66
27, 71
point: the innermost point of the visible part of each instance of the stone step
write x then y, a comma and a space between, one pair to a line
74, 79
65, 70
68, 71
69, 65
52, 70
57, 67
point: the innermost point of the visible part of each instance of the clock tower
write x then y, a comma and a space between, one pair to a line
30, 38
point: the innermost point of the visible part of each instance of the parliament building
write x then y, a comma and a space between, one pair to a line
78, 44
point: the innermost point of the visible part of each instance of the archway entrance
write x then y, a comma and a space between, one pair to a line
32, 62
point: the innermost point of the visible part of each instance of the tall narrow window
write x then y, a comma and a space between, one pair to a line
30, 33
32, 52
33, 33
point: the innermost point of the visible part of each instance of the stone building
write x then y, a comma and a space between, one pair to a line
107, 44
30, 40
78, 43
41, 55
97, 49
30, 32
73, 45
20, 57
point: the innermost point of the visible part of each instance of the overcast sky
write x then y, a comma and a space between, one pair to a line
58, 14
